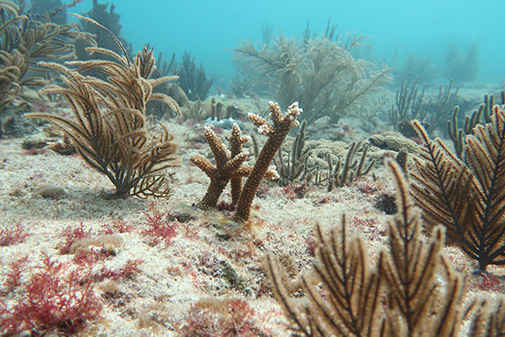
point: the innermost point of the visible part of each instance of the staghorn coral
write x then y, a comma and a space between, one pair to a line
467, 197
109, 125
236, 141
276, 133
228, 165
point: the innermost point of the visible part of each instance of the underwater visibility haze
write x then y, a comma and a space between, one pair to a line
396, 29
252, 168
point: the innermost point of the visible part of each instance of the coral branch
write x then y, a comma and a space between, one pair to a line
228, 166
276, 135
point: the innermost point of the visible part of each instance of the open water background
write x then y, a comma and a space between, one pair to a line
396, 29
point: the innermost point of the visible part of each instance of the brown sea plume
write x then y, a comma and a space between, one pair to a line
109, 128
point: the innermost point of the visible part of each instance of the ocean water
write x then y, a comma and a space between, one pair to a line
396, 29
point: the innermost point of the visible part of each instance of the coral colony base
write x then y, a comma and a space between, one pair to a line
106, 228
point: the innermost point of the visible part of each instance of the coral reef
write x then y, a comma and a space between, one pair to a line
328, 249
115, 140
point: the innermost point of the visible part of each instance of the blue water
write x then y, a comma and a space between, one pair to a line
210, 29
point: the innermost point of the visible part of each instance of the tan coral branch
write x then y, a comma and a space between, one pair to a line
276, 135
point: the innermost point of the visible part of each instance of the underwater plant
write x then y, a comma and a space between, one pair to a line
320, 74
109, 126
411, 291
466, 195
56, 299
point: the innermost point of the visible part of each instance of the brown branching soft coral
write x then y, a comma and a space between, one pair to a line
466, 196
413, 278
23, 41
109, 126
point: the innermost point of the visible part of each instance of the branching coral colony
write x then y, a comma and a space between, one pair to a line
423, 294
229, 165
109, 125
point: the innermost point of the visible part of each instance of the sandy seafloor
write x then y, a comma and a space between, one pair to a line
208, 258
